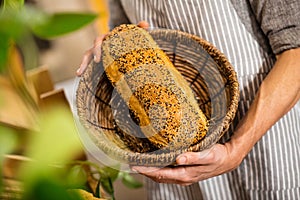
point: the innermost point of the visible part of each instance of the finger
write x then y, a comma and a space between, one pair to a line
144, 170
162, 175
143, 24
183, 175
97, 47
87, 57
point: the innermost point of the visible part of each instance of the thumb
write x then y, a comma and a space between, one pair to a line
143, 24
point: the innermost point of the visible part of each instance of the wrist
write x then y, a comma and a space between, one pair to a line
243, 140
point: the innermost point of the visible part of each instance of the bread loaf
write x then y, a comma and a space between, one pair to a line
158, 97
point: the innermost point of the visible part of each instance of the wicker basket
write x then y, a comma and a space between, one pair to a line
209, 73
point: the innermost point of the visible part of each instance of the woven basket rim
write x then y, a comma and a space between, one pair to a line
158, 159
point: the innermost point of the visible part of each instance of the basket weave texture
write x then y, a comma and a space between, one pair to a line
210, 75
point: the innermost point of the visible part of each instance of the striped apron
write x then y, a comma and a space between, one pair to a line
271, 170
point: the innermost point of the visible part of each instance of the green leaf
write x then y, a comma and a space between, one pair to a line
47, 189
4, 47
130, 181
107, 185
77, 177
13, 4
12, 24
56, 143
98, 192
15, 26
110, 172
8, 141
29, 51
62, 23
57, 138
32, 17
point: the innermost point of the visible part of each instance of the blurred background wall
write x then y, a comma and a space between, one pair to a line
64, 54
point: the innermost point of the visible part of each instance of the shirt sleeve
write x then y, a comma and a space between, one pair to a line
280, 22
117, 15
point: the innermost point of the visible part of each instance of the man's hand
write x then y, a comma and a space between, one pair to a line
95, 51
278, 93
195, 166
90, 54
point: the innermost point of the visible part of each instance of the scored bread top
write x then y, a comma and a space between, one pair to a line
159, 98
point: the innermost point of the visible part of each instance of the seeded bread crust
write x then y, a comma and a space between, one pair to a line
159, 98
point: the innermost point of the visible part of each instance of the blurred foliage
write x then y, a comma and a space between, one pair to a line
8, 142
105, 177
18, 24
51, 171
49, 148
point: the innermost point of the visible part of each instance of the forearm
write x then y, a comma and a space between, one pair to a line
278, 93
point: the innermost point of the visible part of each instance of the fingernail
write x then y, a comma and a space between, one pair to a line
96, 59
78, 72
